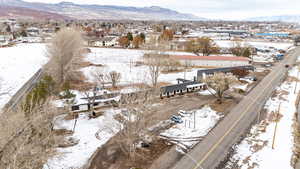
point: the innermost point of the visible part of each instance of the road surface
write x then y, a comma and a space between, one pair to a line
209, 153
16, 99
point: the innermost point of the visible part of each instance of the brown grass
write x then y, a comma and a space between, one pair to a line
221, 107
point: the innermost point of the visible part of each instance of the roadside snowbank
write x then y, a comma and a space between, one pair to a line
255, 150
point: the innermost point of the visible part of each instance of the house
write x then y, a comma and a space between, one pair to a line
179, 45
297, 41
5, 39
106, 42
33, 31
31, 39
212, 61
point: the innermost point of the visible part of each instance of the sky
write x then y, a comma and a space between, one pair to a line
212, 9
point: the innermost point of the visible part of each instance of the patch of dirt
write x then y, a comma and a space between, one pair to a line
226, 105
258, 145
71, 116
85, 64
62, 132
111, 157
172, 71
280, 94
149, 155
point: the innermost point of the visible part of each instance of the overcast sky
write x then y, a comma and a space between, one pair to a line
214, 9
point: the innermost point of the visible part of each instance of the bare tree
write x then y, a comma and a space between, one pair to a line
114, 77
27, 140
240, 49
171, 64
65, 52
99, 78
203, 45
154, 61
133, 126
90, 92
220, 83
133, 133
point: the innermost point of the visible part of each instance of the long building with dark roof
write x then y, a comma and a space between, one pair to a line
200, 73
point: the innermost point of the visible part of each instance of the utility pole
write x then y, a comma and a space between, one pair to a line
275, 130
296, 83
185, 67
75, 118
194, 120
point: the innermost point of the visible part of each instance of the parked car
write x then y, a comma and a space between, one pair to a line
145, 145
268, 65
184, 113
176, 119
252, 78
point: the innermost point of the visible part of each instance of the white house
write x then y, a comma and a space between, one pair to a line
106, 42
33, 31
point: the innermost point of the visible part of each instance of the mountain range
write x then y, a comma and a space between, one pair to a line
69, 10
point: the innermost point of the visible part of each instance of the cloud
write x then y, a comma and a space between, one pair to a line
216, 9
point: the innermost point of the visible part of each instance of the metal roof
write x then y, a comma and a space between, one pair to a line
181, 86
224, 70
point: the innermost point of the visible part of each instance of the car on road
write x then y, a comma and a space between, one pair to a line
176, 119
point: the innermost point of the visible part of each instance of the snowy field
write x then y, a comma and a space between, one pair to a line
18, 64
123, 61
255, 151
90, 134
196, 124
283, 46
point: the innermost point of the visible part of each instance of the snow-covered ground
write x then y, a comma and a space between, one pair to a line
196, 124
283, 46
123, 61
261, 57
255, 151
18, 64
91, 134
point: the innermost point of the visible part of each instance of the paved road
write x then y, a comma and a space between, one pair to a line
213, 149
16, 99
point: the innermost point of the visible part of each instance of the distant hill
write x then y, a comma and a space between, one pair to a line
77, 11
282, 18
25, 13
